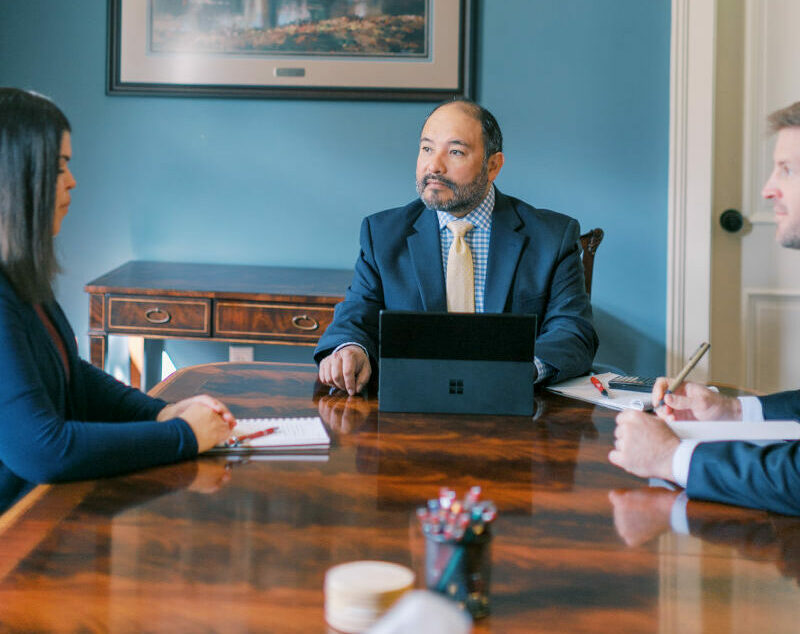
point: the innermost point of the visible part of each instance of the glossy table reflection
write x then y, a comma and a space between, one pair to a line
210, 546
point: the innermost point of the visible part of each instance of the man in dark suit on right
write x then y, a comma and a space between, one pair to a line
732, 472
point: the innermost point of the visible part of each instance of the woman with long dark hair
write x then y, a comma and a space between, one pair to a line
60, 417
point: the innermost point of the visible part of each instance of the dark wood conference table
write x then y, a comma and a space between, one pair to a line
217, 546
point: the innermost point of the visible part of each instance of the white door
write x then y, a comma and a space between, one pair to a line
755, 302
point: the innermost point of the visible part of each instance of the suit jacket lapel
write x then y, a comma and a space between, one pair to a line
425, 249
505, 247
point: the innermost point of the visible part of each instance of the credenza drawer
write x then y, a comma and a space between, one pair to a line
149, 314
290, 322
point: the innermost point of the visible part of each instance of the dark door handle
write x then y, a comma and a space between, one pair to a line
731, 220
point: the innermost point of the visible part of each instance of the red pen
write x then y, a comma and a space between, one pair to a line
596, 382
235, 441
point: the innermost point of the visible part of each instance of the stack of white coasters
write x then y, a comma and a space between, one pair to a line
359, 592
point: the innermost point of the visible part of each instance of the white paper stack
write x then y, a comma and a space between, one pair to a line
359, 592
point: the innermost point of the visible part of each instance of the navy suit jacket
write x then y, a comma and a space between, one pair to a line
749, 475
52, 429
534, 266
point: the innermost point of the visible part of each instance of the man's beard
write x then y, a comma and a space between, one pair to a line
788, 235
465, 197
790, 240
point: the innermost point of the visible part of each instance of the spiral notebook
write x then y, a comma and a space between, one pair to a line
291, 435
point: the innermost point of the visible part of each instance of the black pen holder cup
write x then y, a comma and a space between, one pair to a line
460, 570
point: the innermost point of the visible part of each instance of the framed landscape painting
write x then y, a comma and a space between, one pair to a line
321, 49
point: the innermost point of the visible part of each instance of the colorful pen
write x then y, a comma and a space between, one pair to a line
235, 441
596, 382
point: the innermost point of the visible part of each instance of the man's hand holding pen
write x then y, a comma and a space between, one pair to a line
694, 401
644, 444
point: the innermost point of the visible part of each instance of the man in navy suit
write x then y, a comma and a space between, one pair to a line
525, 260
733, 472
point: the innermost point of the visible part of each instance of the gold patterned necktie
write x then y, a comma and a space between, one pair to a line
460, 278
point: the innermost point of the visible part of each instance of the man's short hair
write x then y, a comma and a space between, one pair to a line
788, 117
492, 136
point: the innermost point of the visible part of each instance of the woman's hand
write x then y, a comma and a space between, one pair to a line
176, 410
209, 427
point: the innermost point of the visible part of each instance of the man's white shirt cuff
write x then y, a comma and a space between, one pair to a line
681, 460
543, 370
350, 343
752, 410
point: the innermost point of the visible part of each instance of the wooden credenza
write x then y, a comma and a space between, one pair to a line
221, 302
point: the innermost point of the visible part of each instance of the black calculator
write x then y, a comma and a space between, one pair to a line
632, 383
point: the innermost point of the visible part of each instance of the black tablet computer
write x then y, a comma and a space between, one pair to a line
456, 363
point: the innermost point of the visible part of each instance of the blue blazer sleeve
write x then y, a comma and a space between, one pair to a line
567, 339
113, 401
51, 430
782, 405
747, 475
355, 319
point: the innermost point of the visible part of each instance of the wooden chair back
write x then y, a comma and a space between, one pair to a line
589, 243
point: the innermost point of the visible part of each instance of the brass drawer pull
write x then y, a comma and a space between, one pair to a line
150, 312
304, 322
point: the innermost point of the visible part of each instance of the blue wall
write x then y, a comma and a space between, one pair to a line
580, 88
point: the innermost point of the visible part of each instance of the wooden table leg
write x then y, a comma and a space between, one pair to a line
136, 361
98, 345
98, 337
152, 362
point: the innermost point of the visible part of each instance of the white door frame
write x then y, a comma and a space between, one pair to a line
691, 158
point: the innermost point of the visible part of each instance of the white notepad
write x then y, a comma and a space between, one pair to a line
292, 434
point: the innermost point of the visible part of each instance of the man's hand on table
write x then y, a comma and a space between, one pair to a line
644, 445
347, 369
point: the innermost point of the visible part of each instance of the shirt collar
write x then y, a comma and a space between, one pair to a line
480, 217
